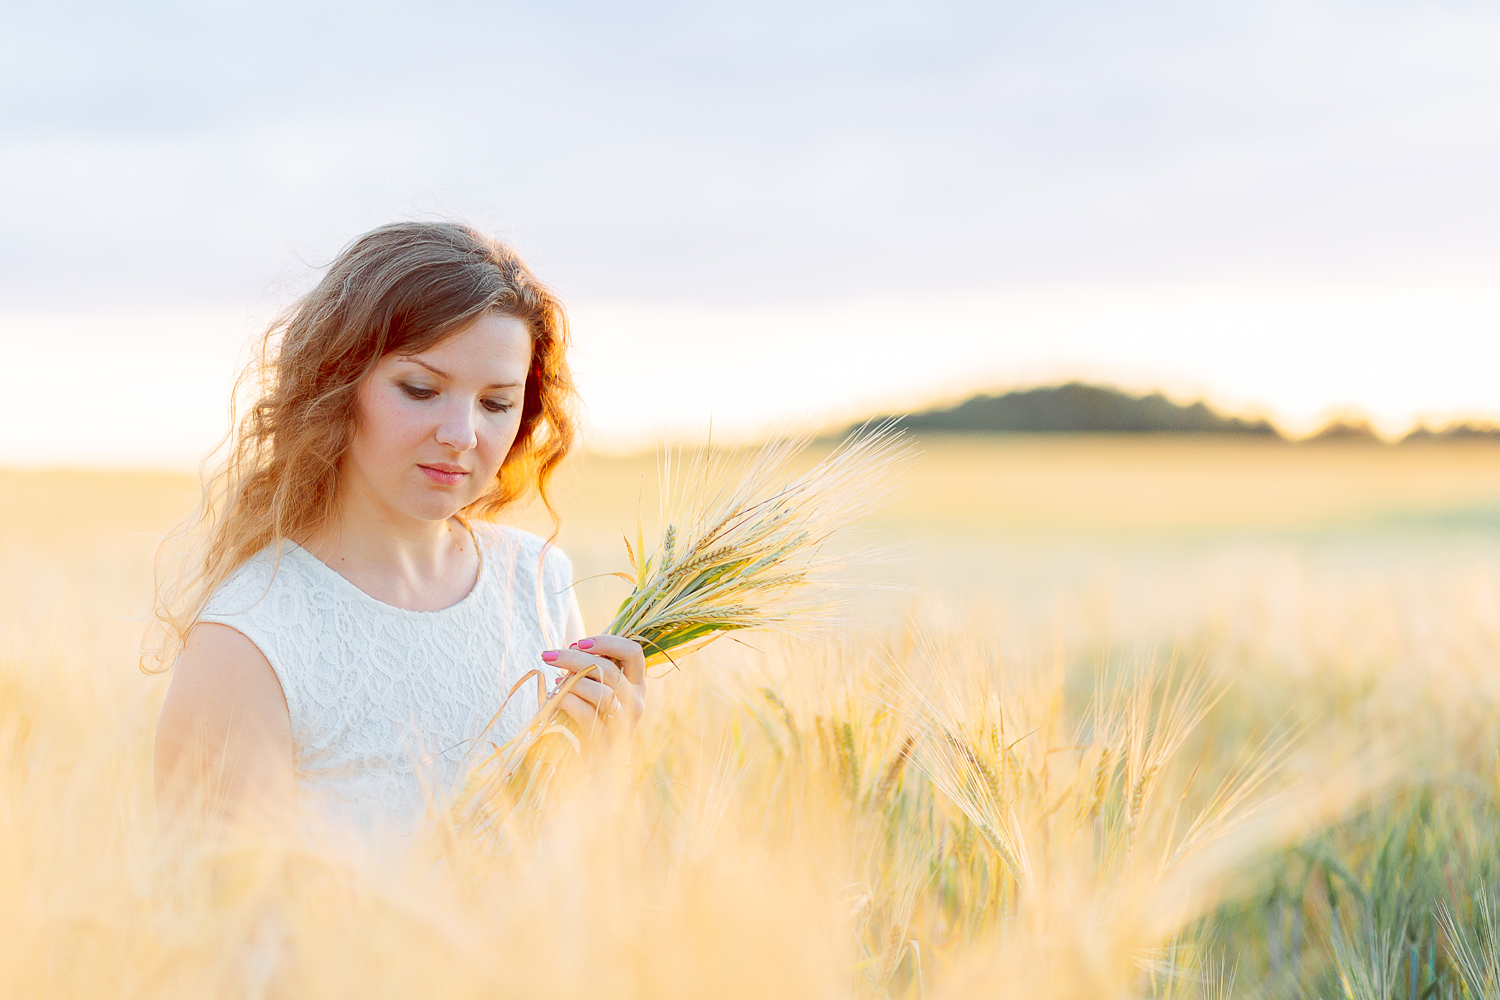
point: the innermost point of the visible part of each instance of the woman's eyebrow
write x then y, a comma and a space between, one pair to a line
419, 361
443, 374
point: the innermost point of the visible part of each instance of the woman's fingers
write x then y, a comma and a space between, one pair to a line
600, 696
581, 712
613, 685
576, 661
624, 652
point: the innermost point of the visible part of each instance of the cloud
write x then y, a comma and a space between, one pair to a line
742, 152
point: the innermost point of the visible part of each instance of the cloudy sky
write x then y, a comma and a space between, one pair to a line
763, 209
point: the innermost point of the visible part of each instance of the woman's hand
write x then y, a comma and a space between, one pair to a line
611, 697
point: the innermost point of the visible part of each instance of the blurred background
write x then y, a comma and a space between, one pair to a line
1195, 312
767, 211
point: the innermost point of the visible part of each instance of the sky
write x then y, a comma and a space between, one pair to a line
766, 211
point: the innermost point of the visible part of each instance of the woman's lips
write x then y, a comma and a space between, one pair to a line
444, 478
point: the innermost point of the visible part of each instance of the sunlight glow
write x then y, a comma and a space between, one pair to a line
151, 387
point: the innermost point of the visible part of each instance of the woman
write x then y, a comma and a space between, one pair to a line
346, 621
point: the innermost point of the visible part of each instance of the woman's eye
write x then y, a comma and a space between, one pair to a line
417, 391
497, 406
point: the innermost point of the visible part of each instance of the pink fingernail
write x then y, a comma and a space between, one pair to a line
584, 643
550, 655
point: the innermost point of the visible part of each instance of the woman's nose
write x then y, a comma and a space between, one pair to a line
456, 430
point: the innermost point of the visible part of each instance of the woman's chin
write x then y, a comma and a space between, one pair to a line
434, 508
428, 501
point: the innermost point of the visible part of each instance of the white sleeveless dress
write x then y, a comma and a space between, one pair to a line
385, 703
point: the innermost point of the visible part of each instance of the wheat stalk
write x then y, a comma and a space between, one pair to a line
748, 555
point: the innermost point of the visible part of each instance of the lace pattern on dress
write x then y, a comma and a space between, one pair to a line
385, 703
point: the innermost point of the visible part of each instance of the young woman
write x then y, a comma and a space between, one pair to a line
346, 620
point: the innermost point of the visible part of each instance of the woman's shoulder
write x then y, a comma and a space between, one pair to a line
528, 566
524, 546
247, 586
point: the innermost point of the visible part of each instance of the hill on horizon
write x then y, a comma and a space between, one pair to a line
1078, 408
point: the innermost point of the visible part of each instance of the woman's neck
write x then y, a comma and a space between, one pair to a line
395, 558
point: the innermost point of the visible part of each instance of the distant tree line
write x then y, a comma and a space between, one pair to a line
1077, 408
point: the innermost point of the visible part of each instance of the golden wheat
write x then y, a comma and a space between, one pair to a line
740, 853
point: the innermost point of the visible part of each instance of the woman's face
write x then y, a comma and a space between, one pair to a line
432, 429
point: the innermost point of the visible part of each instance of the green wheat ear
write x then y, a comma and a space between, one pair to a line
722, 564
751, 556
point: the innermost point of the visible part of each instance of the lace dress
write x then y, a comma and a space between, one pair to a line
386, 702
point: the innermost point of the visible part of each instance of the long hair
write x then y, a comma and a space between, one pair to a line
400, 288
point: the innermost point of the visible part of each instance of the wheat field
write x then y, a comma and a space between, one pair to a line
1115, 718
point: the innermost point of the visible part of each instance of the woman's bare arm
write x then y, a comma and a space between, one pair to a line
224, 738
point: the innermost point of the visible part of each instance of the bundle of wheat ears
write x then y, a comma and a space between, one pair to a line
746, 555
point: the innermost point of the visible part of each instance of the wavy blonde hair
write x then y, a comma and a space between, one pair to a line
400, 288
